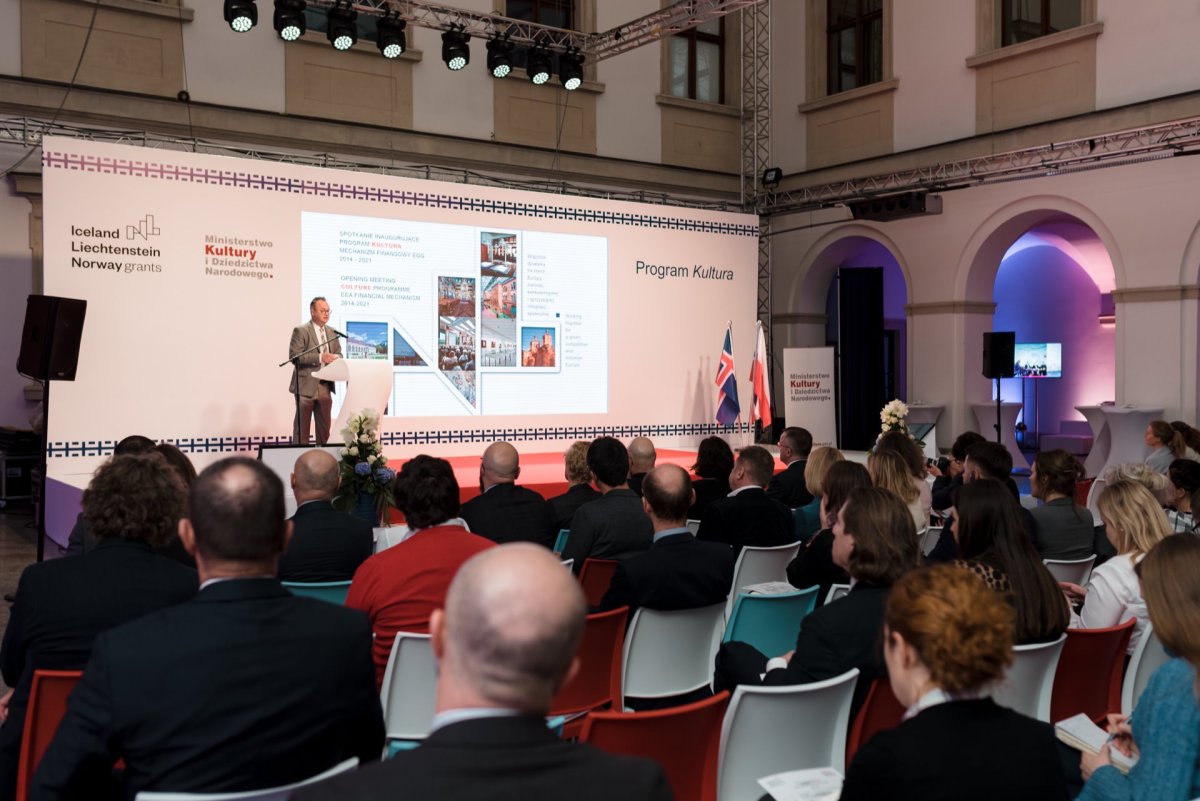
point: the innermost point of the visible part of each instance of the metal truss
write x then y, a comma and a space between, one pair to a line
1177, 138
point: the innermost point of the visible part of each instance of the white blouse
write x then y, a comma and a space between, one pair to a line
1114, 595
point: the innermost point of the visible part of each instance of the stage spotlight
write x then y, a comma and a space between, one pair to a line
391, 39
456, 50
771, 177
538, 65
289, 19
242, 15
342, 31
570, 70
499, 57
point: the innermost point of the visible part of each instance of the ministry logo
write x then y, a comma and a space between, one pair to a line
144, 229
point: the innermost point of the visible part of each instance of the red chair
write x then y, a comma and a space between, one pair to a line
47, 705
598, 681
595, 576
1081, 490
880, 711
1089, 672
684, 741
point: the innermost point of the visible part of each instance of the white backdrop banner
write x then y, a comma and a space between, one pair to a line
808, 401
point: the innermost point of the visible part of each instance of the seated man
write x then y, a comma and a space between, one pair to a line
678, 572
132, 504
747, 516
579, 487
327, 545
399, 588
246, 686
642, 457
946, 483
505, 643
613, 526
789, 487
81, 540
984, 459
504, 512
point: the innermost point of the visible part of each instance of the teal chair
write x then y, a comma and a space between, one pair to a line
332, 591
770, 622
560, 543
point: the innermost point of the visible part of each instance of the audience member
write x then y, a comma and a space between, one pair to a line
946, 639
131, 504
714, 462
788, 486
903, 446
876, 543
993, 543
326, 545
984, 460
1167, 445
246, 686
80, 540
889, 471
807, 518
1134, 524
945, 483
613, 526
1183, 480
504, 512
505, 643
1191, 436
177, 459
814, 564
748, 516
641, 461
679, 571
399, 588
579, 487
1140, 473
1164, 729
1062, 529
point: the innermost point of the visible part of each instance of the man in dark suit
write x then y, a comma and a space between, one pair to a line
504, 512
319, 345
132, 504
984, 459
327, 545
505, 643
246, 686
789, 487
81, 540
678, 572
579, 487
747, 516
642, 457
615, 526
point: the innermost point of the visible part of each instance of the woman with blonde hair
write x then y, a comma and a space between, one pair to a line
947, 637
808, 517
889, 471
1134, 523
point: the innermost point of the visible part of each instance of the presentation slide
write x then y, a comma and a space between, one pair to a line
493, 313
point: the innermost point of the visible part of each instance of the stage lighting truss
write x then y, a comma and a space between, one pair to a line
342, 30
242, 15
499, 57
456, 49
289, 20
570, 70
390, 39
538, 64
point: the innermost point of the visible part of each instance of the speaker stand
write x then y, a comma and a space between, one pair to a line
997, 426
45, 445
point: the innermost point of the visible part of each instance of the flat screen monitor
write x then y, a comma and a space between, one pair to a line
1038, 360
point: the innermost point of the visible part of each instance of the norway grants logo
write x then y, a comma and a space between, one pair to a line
144, 229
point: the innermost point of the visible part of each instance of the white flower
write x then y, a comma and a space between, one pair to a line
364, 438
345, 451
353, 450
371, 459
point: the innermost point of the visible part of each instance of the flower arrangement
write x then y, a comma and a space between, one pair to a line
366, 479
891, 417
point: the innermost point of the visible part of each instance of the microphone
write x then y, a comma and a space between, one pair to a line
337, 332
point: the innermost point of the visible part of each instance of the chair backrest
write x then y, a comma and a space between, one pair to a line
670, 653
880, 711
837, 591
1076, 571
770, 622
595, 576
560, 542
332, 591
409, 685
693, 526
1092, 497
598, 681
1088, 678
1030, 680
772, 729
267, 794
387, 536
1082, 490
683, 740
569, 564
758, 564
1148, 656
47, 705
928, 539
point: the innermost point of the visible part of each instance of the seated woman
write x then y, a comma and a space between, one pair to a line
889, 471
1166, 445
808, 517
875, 542
1183, 480
1134, 525
946, 638
814, 563
1164, 729
714, 462
1062, 528
902, 445
993, 544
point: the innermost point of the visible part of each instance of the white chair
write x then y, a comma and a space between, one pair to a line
693, 526
387, 536
1094, 495
758, 564
1076, 571
1148, 656
928, 539
569, 564
772, 729
836, 591
267, 794
1029, 682
670, 653
409, 686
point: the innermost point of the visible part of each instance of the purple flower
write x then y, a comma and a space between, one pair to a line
362, 469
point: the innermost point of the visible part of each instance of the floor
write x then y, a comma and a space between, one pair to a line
18, 548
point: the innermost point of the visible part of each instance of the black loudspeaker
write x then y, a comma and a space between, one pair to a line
50, 339
998, 347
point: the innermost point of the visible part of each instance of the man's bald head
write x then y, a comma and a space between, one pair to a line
513, 620
667, 494
315, 476
237, 512
641, 455
500, 465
